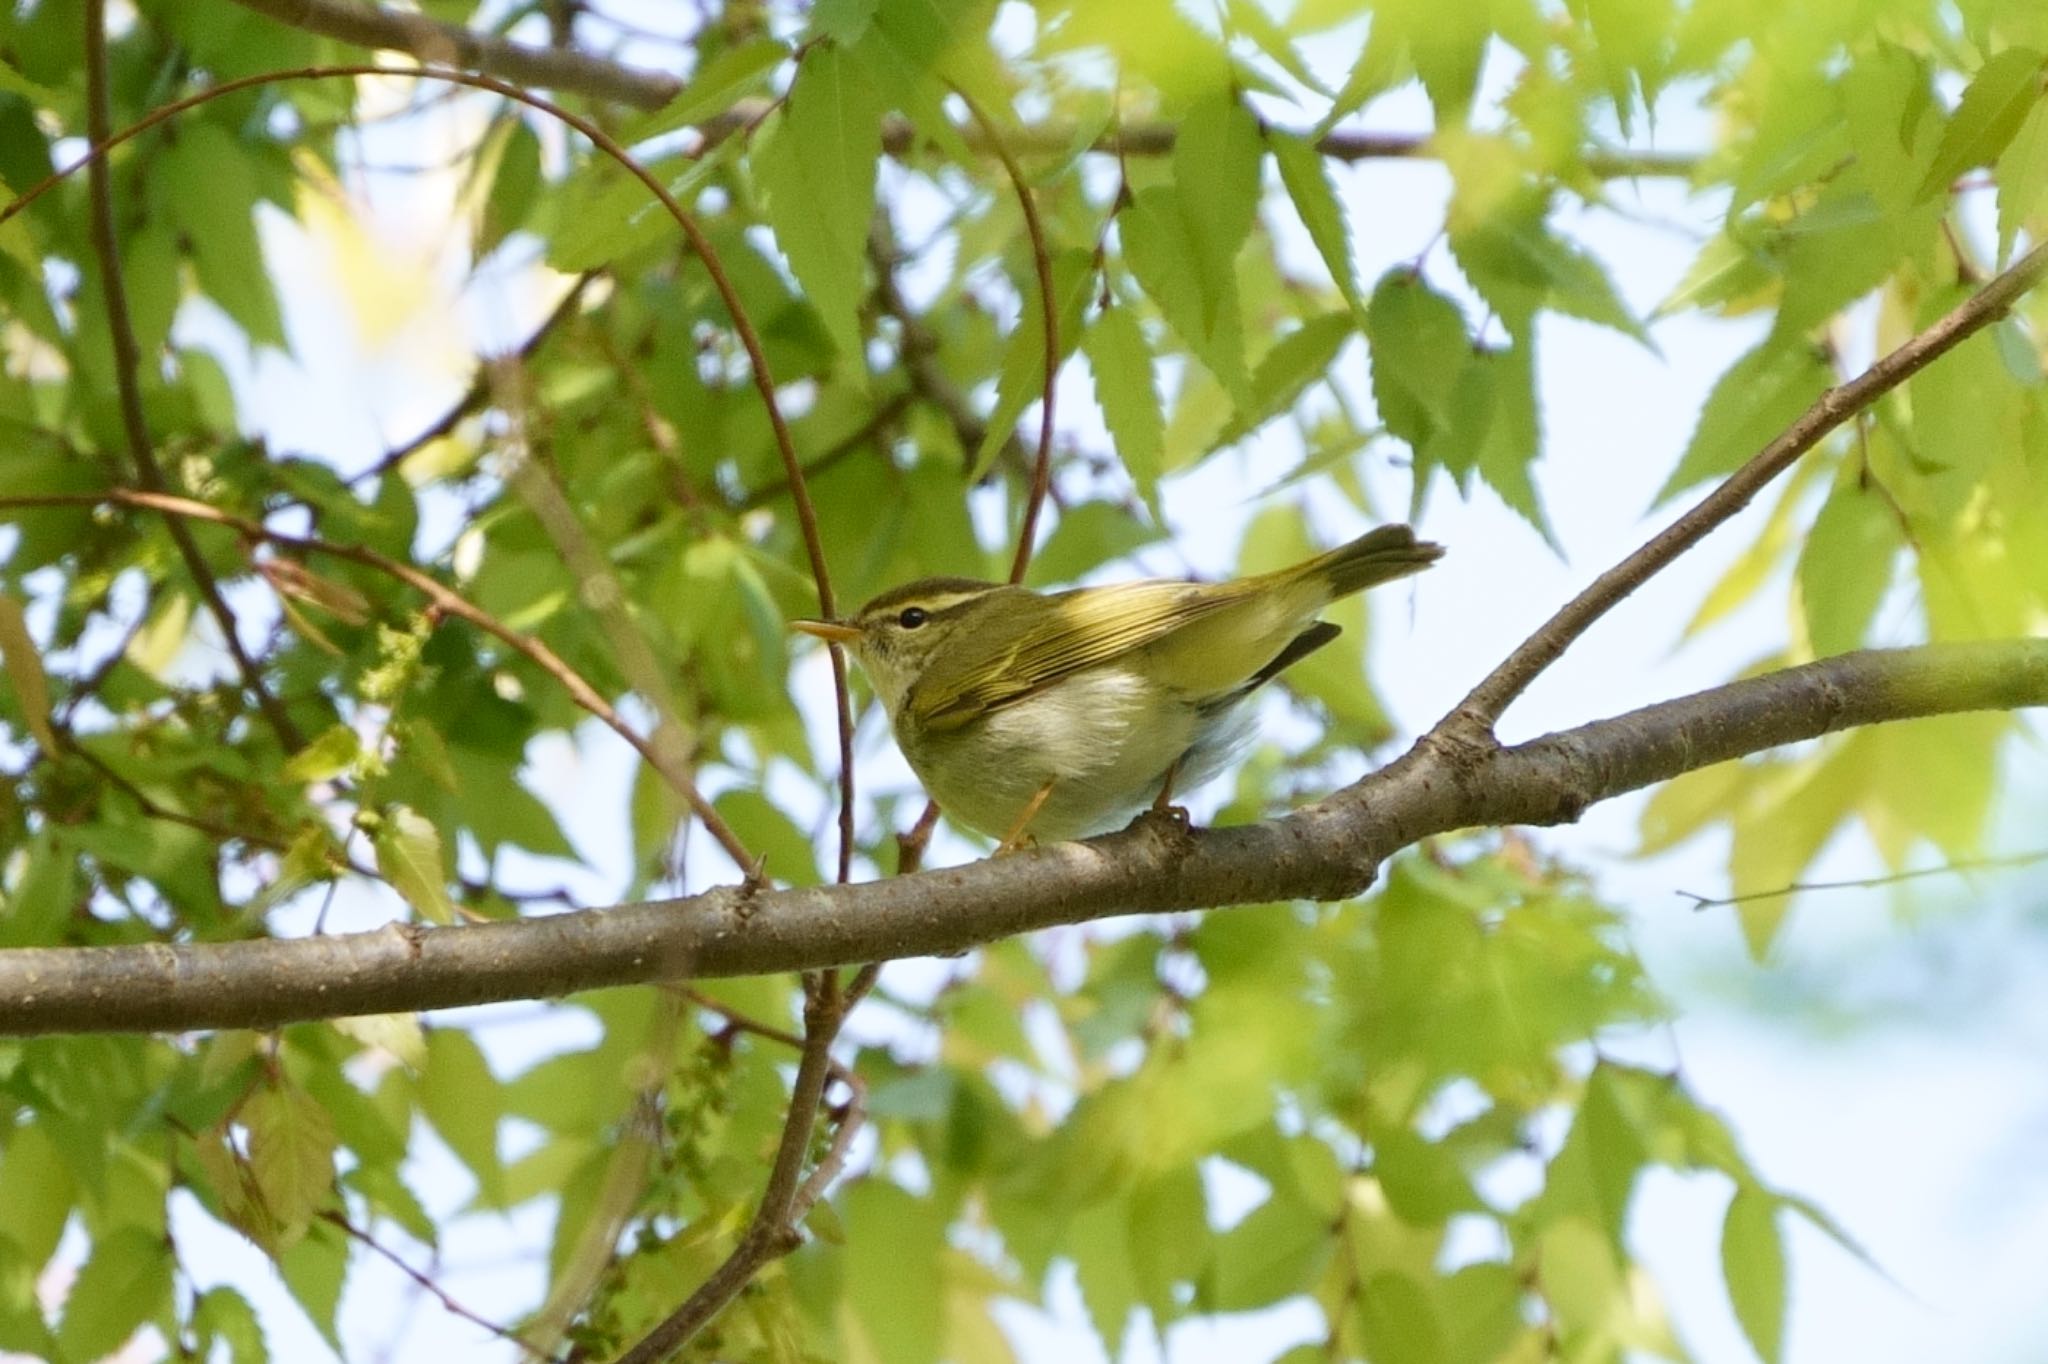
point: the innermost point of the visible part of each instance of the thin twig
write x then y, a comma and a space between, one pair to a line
2016, 860
426, 1282
479, 385
443, 598
128, 391
772, 1232
1049, 311
1474, 717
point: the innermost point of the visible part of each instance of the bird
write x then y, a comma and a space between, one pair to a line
1046, 716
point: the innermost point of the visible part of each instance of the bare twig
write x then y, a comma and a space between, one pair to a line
1474, 717
426, 1282
772, 1232
444, 599
1049, 311
128, 391
2013, 862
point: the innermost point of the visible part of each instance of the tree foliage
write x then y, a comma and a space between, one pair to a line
219, 711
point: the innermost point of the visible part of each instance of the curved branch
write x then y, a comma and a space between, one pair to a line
444, 599
1326, 851
1474, 717
552, 68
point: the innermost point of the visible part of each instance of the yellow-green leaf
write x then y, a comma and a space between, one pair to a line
1753, 1262
327, 757
23, 664
408, 850
291, 1155
1997, 101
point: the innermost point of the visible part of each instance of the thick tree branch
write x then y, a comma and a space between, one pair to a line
564, 70
1326, 851
1474, 717
569, 72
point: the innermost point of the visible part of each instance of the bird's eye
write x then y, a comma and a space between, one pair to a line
912, 617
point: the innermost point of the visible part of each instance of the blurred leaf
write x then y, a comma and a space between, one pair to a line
22, 662
223, 1316
1753, 1262
2022, 173
464, 1101
126, 1280
515, 184
712, 89
334, 752
408, 851
1845, 566
1759, 396
291, 1155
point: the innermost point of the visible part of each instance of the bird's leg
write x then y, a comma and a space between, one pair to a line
1164, 801
1017, 838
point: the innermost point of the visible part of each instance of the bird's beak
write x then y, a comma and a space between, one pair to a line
831, 631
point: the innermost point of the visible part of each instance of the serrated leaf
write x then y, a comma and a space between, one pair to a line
1992, 109
604, 212
291, 1155
399, 1034
125, 1282
23, 664
1307, 177
712, 89
1419, 348
325, 758
408, 848
1845, 566
816, 170
1216, 157
1086, 538
1200, 306
1297, 360
1753, 1262
1023, 375
1759, 396
1121, 360
224, 1317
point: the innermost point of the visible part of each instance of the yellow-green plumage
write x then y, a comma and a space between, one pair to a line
1093, 694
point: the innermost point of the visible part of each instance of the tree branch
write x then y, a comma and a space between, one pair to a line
128, 389
569, 72
1326, 851
564, 70
1475, 716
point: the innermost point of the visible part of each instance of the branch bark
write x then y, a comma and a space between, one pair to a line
570, 72
1325, 851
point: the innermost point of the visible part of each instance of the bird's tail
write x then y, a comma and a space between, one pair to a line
1377, 556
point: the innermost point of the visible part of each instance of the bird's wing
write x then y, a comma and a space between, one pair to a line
1085, 627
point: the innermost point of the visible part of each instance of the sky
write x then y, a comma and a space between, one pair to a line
1884, 1062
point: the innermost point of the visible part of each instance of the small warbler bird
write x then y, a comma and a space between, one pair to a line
1047, 716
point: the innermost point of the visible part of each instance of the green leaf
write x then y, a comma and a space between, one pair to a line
1845, 566
515, 185
715, 87
408, 848
1419, 349
125, 1282
1757, 398
1398, 1320
315, 1269
902, 1315
327, 757
1307, 177
1086, 538
604, 213
1519, 265
1297, 360
1753, 1262
36, 1193
2022, 178
209, 184
2006, 88
1216, 157
816, 170
1022, 380
22, 663
291, 1154
224, 1317
1269, 1255
790, 854
1121, 361
464, 1101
